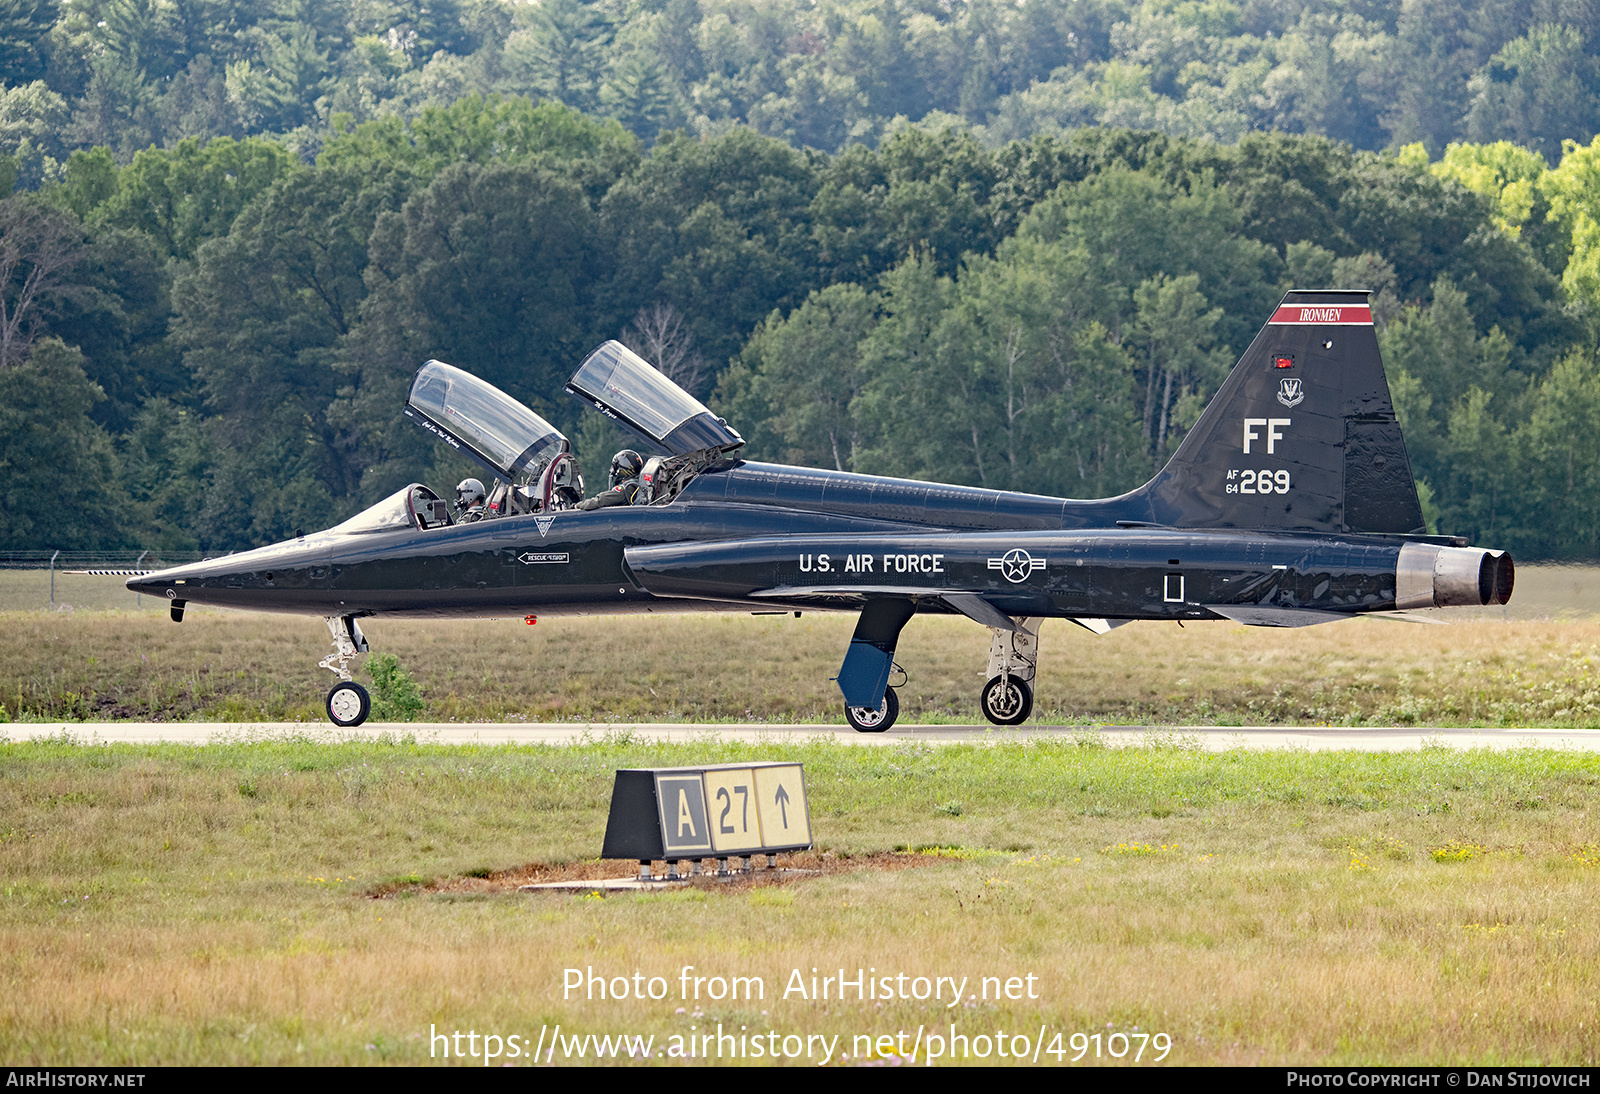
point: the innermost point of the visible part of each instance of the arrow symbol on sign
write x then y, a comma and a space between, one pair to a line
783, 803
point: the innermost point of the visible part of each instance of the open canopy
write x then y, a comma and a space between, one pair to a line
482, 421
624, 386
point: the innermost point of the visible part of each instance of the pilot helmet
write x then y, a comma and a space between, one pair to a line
469, 493
625, 465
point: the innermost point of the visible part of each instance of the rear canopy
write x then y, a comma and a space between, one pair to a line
624, 386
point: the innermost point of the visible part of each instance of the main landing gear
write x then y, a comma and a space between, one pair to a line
869, 720
348, 703
1007, 699
869, 664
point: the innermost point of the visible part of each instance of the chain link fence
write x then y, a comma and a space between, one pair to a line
147, 559
33, 580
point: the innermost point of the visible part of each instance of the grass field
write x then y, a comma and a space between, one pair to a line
221, 904
235, 667
286, 901
1536, 666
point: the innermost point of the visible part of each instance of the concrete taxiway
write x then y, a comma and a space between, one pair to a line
1207, 738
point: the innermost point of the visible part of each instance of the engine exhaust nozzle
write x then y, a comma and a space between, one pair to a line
1440, 577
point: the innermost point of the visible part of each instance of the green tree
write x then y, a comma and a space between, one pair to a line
561, 54
58, 471
1484, 482
918, 192
1454, 392
292, 67
260, 317
1560, 444
32, 121
1135, 226
720, 229
1537, 91
1174, 332
483, 129
117, 316
491, 268
1573, 190
167, 459
794, 383
193, 192
913, 402
24, 26
639, 94
40, 250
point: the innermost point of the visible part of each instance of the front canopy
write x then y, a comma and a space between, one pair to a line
410, 507
482, 421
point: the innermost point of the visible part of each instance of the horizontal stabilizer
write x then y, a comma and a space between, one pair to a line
1408, 617
1252, 615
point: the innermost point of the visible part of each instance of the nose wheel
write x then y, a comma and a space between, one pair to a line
348, 704
1007, 700
874, 720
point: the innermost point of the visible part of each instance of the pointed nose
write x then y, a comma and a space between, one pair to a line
277, 577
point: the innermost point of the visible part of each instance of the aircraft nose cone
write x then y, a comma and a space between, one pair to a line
143, 584
160, 582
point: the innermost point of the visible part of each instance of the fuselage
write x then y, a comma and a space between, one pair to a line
763, 537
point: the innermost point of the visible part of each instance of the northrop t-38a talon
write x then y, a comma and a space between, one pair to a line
1289, 503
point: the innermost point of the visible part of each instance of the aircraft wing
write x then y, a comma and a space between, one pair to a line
971, 605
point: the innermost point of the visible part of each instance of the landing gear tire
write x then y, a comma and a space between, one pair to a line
348, 704
869, 720
1006, 702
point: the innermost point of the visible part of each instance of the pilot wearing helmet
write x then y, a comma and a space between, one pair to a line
470, 498
624, 482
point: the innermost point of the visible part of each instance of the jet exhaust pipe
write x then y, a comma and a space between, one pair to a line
1440, 577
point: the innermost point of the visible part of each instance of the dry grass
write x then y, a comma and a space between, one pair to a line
174, 904
241, 667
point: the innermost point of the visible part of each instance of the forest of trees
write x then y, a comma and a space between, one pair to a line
824, 74
1008, 244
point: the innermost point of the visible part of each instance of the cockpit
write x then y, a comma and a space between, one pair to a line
529, 462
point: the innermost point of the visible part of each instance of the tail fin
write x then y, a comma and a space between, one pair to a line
1302, 436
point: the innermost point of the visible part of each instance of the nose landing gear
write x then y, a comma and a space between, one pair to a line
348, 704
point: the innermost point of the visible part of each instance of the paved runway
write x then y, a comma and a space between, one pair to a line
1208, 738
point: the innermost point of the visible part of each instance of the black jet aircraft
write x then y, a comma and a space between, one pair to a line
1289, 503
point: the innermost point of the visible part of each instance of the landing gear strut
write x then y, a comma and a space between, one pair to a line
348, 703
869, 663
1007, 699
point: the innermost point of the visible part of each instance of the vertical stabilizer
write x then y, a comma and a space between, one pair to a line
1302, 436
